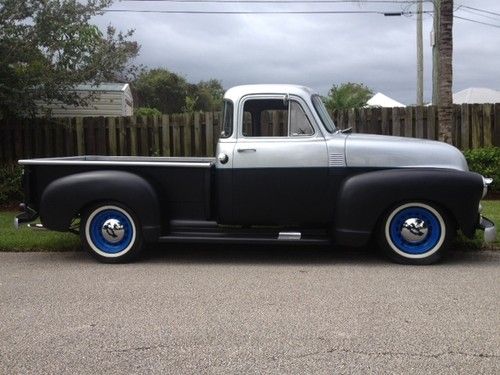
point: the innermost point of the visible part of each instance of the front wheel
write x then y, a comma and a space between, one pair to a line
111, 233
415, 233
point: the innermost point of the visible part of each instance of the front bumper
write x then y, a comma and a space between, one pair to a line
26, 216
489, 229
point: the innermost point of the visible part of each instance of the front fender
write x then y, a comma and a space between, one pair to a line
64, 198
364, 198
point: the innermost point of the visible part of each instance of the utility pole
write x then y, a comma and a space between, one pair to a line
420, 56
435, 52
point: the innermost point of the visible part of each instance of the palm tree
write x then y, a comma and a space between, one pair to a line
445, 108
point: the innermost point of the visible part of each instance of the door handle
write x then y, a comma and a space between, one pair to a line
246, 150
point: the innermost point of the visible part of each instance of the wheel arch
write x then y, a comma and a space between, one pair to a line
66, 197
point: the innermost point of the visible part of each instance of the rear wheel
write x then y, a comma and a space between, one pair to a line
415, 233
111, 233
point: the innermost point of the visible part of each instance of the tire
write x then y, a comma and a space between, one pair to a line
111, 233
415, 233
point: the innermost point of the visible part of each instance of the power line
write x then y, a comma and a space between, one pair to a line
481, 10
256, 12
476, 13
247, 12
475, 21
281, 2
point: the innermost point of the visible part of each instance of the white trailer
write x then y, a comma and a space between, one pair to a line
106, 99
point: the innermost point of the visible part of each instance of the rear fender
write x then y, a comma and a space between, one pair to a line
64, 198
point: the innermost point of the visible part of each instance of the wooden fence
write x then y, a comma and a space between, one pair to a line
474, 125
196, 134
167, 135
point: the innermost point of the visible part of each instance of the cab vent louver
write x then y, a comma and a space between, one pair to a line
336, 160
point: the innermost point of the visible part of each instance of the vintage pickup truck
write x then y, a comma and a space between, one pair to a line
305, 182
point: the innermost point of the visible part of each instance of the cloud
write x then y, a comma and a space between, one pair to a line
314, 50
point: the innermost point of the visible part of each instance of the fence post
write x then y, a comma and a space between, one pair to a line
487, 109
476, 126
176, 135
396, 123
112, 135
419, 123
209, 133
156, 136
133, 135
122, 132
408, 119
431, 123
80, 141
496, 126
197, 134
187, 134
165, 135
465, 126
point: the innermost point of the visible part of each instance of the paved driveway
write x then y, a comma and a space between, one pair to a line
248, 310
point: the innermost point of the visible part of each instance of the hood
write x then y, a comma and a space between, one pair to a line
369, 150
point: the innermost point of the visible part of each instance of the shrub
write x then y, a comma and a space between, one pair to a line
486, 161
10, 184
146, 111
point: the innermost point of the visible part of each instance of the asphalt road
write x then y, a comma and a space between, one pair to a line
242, 310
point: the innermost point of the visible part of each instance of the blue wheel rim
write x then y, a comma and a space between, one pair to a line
415, 248
97, 237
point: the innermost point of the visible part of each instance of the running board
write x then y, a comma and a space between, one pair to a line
289, 238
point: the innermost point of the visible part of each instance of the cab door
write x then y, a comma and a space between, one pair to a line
279, 163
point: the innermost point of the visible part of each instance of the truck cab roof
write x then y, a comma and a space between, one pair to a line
237, 92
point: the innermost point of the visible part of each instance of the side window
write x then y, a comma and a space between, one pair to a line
265, 118
299, 123
247, 124
227, 121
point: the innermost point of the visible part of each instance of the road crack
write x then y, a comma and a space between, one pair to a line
137, 348
395, 353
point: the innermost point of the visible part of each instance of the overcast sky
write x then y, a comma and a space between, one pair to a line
314, 50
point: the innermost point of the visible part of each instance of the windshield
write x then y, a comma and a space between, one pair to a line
323, 113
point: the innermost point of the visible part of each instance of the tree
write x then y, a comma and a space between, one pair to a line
210, 94
171, 93
161, 89
445, 45
47, 47
348, 95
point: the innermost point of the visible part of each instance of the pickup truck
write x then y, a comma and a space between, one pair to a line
306, 182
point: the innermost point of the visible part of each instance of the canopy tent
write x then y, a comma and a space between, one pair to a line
476, 95
381, 100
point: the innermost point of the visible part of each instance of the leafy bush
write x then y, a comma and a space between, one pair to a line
146, 111
10, 184
486, 161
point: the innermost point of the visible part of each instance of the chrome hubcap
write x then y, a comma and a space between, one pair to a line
414, 230
112, 230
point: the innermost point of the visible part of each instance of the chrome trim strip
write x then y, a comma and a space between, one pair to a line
289, 236
115, 163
